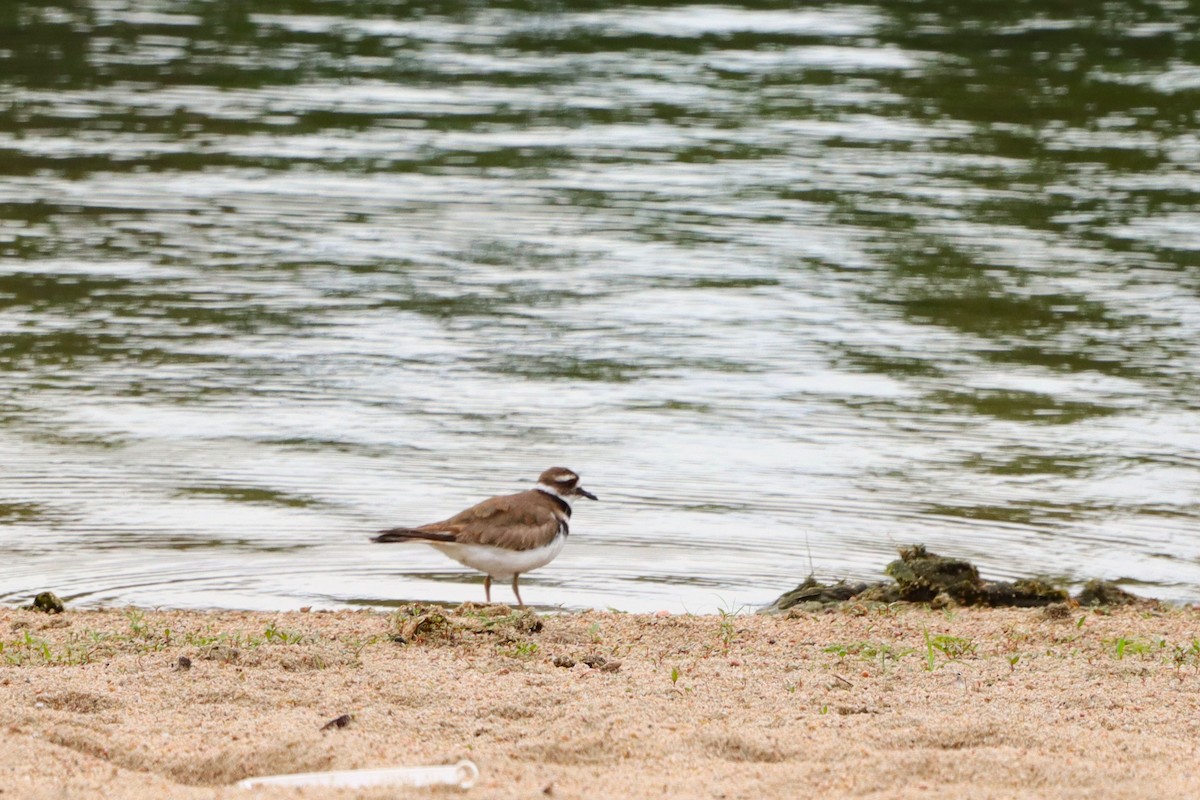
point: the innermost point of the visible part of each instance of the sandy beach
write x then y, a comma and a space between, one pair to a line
864, 702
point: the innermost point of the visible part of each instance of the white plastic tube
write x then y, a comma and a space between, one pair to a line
463, 775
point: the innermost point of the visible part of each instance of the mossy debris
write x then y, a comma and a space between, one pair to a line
920, 576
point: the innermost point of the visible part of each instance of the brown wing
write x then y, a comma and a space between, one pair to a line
517, 522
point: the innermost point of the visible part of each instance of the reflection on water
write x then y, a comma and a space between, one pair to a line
788, 287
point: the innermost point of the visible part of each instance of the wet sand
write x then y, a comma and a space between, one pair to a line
866, 702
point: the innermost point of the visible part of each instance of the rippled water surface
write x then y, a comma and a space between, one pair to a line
788, 285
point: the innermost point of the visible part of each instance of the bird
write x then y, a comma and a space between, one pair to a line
507, 535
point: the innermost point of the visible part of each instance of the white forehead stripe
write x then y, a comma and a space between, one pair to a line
566, 478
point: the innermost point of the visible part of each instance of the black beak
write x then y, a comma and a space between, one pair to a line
585, 493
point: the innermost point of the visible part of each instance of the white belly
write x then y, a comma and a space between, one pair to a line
499, 563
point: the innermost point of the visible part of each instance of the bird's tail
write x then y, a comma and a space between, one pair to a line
411, 534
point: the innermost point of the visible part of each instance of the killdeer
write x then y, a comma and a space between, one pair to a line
504, 536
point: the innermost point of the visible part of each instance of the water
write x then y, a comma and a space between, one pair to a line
788, 286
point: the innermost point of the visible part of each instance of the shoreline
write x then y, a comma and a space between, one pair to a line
857, 701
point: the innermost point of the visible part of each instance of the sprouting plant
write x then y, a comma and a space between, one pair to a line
203, 640
868, 651
274, 634
1182, 655
39, 646
137, 623
839, 650
727, 631
952, 647
523, 650
890, 609
1124, 645
357, 645
674, 675
595, 632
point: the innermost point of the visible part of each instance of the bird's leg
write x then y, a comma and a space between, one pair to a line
517, 592
487, 589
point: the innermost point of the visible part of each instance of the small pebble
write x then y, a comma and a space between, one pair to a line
337, 722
